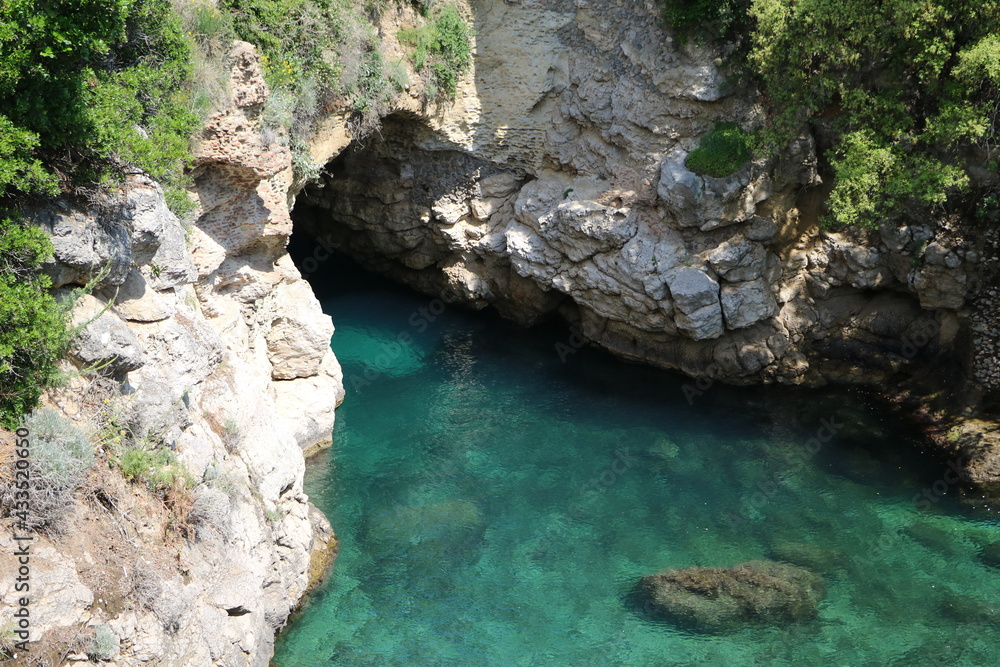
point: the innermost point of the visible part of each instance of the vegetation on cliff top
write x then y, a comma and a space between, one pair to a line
88, 90
912, 86
93, 89
442, 46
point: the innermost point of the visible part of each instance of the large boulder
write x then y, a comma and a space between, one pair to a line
719, 599
697, 312
745, 304
692, 200
739, 259
299, 335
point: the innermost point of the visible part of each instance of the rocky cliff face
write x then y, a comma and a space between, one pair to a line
211, 345
556, 183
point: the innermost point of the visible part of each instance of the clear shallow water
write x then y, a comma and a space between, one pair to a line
495, 506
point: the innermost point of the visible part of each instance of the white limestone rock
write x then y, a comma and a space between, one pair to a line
304, 403
738, 259
704, 202
746, 303
299, 334
106, 341
697, 311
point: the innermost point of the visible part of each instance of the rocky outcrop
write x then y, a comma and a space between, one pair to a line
717, 599
204, 341
249, 290
557, 182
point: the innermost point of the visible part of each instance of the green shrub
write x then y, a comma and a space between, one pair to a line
912, 86
158, 468
8, 641
723, 18
313, 52
912, 89
61, 451
89, 89
421, 40
444, 43
33, 326
398, 76
211, 28
372, 91
873, 180
720, 153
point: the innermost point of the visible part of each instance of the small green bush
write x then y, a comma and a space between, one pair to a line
316, 52
398, 77
421, 40
909, 89
444, 44
158, 468
8, 640
720, 153
372, 92
61, 454
211, 28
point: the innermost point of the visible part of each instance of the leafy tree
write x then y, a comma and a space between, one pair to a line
89, 87
911, 81
913, 85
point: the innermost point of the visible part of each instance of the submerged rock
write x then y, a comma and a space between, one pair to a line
719, 599
989, 554
970, 610
934, 538
810, 556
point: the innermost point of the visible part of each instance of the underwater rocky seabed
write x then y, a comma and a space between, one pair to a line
496, 505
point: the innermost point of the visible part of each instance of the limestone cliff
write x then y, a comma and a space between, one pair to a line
556, 183
210, 344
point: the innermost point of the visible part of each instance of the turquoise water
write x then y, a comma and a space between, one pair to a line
495, 506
